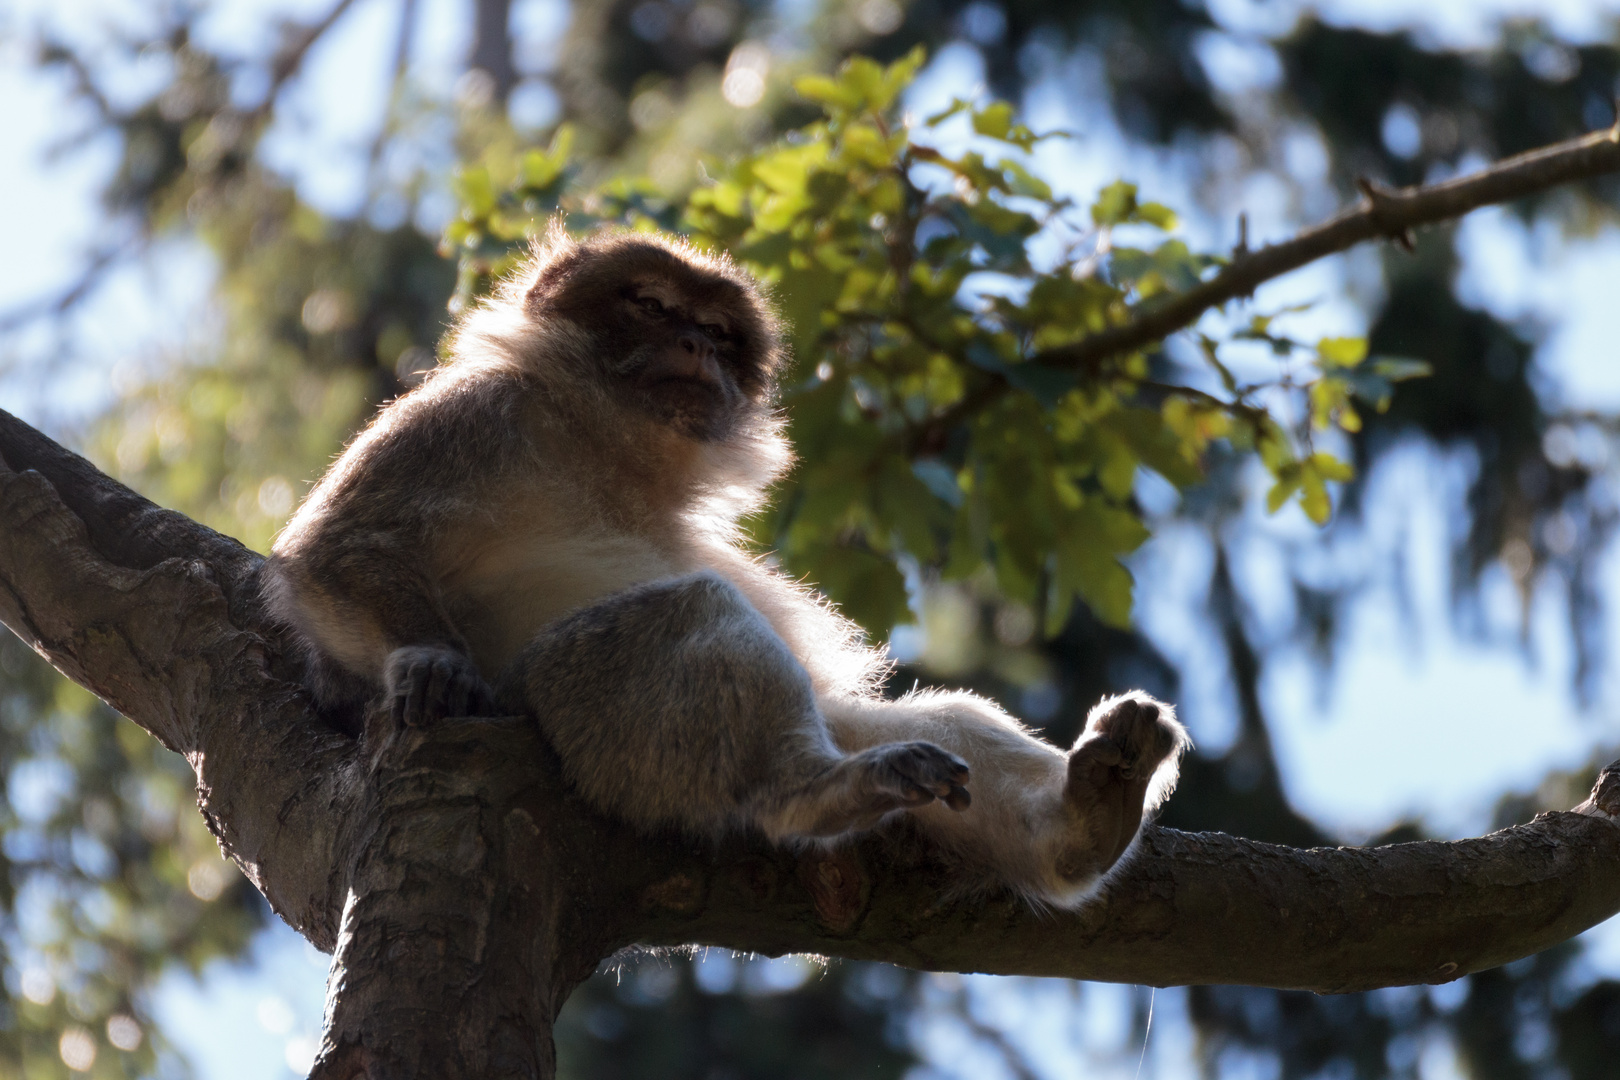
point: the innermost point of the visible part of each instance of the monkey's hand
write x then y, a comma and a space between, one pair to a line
430, 682
1111, 768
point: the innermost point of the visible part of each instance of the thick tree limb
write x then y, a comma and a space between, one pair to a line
1382, 212
455, 877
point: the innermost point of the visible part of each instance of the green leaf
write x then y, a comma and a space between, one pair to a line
1115, 204
1157, 214
1314, 498
475, 191
1344, 352
1288, 481
867, 587
994, 120
1022, 182
826, 91
1046, 385
1331, 468
1400, 368
957, 105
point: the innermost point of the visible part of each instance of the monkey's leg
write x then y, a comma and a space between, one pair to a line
676, 703
1045, 823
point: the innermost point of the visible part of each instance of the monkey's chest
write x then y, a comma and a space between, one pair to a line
500, 595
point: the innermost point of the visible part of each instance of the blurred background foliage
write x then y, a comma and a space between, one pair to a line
107, 878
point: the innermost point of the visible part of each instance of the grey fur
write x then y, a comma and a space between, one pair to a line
716, 722
554, 510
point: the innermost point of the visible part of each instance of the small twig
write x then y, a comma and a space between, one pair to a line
402, 57
1242, 408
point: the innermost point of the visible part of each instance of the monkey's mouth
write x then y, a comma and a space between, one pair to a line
697, 406
685, 391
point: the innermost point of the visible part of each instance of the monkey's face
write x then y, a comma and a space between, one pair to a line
679, 359
688, 344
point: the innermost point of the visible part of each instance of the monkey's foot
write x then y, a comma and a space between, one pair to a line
1110, 769
430, 682
858, 791
911, 774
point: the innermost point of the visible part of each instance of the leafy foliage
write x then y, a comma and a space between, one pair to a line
935, 433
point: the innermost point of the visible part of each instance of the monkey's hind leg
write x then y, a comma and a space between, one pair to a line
676, 703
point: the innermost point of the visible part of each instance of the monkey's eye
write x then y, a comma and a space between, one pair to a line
651, 304
715, 331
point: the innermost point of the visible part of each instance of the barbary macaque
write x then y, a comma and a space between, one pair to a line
547, 525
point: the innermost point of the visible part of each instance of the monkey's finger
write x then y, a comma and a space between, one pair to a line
916, 795
959, 798
416, 695
459, 699
441, 678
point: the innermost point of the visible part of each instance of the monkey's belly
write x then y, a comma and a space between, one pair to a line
501, 599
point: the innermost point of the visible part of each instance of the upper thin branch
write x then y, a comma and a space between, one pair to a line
1382, 212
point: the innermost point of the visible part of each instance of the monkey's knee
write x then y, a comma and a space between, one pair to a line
683, 605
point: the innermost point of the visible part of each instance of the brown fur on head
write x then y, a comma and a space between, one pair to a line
644, 334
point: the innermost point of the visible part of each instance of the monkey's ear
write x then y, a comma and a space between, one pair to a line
552, 257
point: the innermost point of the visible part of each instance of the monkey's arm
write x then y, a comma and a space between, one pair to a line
368, 606
356, 572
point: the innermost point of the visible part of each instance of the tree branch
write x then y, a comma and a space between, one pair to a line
1383, 211
455, 875
160, 617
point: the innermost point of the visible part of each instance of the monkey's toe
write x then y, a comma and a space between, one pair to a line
1138, 728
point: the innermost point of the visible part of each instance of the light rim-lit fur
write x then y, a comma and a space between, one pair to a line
512, 488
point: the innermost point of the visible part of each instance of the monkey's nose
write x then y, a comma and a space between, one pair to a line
696, 346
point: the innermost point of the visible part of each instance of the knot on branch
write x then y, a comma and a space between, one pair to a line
838, 887
1605, 798
1382, 206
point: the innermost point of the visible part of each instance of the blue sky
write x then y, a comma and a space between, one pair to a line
1358, 751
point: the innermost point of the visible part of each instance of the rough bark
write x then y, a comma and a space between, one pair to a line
465, 892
